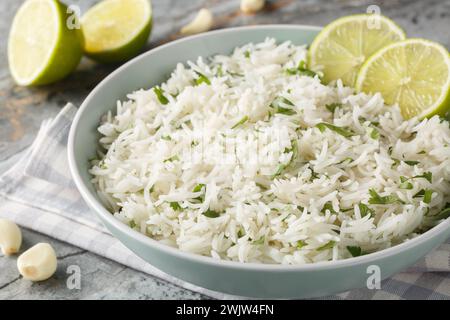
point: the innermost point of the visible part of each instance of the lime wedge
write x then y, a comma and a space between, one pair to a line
116, 30
414, 73
41, 48
341, 48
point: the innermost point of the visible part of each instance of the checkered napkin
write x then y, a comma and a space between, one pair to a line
38, 193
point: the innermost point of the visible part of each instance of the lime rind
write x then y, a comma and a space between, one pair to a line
441, 106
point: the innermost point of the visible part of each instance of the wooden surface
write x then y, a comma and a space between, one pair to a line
23, 109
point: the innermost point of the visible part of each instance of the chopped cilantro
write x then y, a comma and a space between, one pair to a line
333, 106
374, 134
198, 187
426, 175
242, 121
354, 251
375, 198
300, 244
364, 210
175, 206
427, 196
201, 79
340, 130
260, 241
301, 70
328, 245
173, 158
160, 95
280, 103
211, 214
445, 212
328, 206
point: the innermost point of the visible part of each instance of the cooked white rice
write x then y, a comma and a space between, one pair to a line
271, 183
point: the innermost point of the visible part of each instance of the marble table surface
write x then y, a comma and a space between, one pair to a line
23, 109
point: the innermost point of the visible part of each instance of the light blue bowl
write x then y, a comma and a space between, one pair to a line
253, 280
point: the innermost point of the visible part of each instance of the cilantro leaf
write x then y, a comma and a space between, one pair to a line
405, 184
354, 251
173, 158
282, 167
333, 106
419, 194
242, 121
364, 210
280, 103
340, 130
280, 170
301, 70
445, 212
374, 134
260, 241
426, 175
201, 79
198, 187
348, 160
175, 206
300, 244
328, 245
160, 95
375, 198
427, 196
211, 214
328, 206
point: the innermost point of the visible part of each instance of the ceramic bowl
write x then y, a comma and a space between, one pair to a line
250, 279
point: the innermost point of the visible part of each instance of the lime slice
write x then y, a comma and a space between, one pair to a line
341, 48
414, 73
41, 48
116, 30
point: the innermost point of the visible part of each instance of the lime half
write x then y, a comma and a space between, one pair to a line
116, 30
415, 74
41, 48
342, 47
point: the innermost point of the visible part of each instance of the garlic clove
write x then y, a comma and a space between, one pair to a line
10, 237
201, 23
252, 6
38, 263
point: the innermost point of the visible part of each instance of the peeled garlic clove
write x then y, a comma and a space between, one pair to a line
252, 6
10, 237
38, 263
201, 23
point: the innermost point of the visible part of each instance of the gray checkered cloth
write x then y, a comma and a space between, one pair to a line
38, 193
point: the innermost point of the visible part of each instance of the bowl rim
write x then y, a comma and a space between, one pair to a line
103, 213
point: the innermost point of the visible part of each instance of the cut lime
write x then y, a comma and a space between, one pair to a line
414, 73
41, 48
341, 48
116, 30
